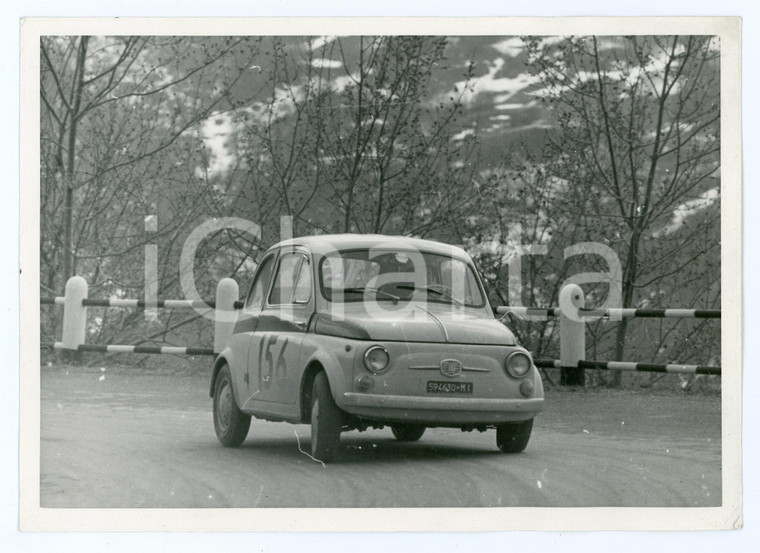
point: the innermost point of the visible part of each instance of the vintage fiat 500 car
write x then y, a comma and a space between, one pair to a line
349, 332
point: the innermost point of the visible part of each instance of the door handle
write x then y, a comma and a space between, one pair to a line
301, 325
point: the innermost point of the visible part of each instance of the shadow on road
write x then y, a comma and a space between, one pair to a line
355, 450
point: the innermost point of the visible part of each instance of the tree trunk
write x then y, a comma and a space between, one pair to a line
76, 102
629, 279
68, 241
68, 211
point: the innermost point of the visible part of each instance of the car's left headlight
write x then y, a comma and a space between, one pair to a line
518, 364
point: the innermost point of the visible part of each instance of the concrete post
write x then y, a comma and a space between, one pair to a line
74, 313
572, 334
225, 315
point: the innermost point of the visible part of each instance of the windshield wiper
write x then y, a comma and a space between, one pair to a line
431, 289
362, 290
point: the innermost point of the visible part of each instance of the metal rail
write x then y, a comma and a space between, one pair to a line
629, 366
538, 312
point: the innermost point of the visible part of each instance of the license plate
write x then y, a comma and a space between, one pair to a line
436, 387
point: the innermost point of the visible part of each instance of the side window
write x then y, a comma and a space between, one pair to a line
302, 293
260, 284
285, 280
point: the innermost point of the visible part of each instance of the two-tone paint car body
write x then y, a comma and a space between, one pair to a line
356, 331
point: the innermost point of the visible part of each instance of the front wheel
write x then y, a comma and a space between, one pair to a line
326, 421
407, 432
513, 437
230, 423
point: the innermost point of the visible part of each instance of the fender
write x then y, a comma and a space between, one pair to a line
538, 384
221, 359
338, 376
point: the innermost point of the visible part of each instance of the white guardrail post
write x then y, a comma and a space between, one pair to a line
74, 313
572, 335
225, 315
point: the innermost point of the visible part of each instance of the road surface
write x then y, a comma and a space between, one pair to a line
127, 438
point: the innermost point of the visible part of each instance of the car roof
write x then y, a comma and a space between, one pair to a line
327, 242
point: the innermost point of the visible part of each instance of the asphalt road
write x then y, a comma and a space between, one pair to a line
119, 438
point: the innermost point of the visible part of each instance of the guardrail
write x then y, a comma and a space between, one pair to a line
75, 303
572, 330
572, 336
537, 312
629, 366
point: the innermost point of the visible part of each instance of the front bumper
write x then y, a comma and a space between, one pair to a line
440, 411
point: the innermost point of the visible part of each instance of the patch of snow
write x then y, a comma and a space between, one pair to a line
464, 134
321, 63
511, 106
691, 207
511, 47
321, 41
489, 83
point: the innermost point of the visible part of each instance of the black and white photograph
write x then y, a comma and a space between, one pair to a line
275, 271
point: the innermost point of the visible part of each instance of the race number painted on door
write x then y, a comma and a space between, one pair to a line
273, 368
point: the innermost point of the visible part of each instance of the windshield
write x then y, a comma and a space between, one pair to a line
398, 276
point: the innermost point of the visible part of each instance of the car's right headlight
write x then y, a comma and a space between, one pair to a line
376, 359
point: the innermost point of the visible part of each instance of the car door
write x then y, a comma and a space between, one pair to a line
248, 321
276, 345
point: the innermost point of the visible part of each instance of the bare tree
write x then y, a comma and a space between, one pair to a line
638, 139
518, 239
118, 143
351, 139
110, 106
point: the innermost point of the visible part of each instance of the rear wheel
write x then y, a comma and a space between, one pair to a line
513, 437
230, 423
326, 421
407, 432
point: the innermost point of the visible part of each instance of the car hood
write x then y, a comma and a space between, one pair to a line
414, 324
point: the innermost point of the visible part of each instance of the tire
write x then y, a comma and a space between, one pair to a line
326, 421
513, 437
230, 423
408, 432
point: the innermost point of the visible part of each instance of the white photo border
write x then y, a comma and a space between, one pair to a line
729, 515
